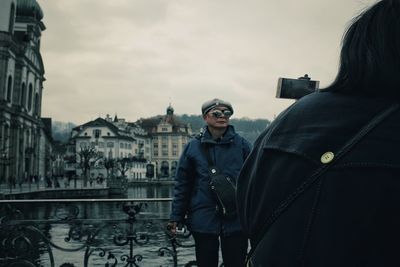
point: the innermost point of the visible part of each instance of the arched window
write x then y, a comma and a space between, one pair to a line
174, 164
2, 137
30, 96
6, 136
9, 87
164, 169
27, 139
23, 95
36, 107
12, 19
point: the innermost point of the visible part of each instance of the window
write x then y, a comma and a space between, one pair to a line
12, 19
121, 145
101, 144
96, 133
83, 145
23, 95
110, 144
30, 92
36, 107
155, 153
9, 87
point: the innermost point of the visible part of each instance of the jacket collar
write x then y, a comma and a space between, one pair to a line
205, 136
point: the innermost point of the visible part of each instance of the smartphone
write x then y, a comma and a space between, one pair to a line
296, 88
180, 230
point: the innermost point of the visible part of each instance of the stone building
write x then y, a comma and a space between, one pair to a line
169, 136
21, 85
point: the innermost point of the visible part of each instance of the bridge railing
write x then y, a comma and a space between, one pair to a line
90, 232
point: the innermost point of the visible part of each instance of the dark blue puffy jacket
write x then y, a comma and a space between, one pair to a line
192, 196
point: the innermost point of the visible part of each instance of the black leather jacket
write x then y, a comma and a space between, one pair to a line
351, 215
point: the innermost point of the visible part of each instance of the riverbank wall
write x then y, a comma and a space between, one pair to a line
59, 194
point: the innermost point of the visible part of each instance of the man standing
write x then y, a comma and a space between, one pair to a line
194, 204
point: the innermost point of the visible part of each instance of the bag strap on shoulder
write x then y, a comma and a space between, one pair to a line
213, 170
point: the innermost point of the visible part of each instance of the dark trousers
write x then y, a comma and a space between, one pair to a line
233, 248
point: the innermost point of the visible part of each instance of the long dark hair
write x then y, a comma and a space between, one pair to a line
370, 55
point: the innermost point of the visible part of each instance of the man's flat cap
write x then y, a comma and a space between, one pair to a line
209, 105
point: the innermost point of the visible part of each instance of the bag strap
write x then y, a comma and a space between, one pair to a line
212, 169
321, 170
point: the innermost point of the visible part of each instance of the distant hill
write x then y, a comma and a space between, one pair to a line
61, 131
248, 128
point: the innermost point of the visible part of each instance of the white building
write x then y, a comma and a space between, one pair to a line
111, 140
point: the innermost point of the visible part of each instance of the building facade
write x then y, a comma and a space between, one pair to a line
151, 146
169, 136
112, 142
24, 148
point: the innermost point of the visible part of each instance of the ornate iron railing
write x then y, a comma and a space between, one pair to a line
90, 232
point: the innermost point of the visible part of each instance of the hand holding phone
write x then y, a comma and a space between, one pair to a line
171, 227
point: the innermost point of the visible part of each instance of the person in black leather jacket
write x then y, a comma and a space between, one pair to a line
350, 214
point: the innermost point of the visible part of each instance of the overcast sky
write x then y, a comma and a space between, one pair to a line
134, 57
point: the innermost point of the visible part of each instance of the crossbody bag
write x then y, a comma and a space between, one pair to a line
223, 188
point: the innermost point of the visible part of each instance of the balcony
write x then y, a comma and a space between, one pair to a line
90, 232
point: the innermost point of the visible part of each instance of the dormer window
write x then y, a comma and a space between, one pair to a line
97, 133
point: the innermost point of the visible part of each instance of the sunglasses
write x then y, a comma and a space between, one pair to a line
219, 113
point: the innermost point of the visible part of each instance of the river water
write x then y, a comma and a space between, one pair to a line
113, 253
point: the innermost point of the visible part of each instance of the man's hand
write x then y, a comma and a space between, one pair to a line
171, 227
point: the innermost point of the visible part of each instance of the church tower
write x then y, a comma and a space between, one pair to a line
21, 85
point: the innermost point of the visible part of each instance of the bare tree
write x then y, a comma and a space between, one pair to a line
109, 164
123, 165
87, 157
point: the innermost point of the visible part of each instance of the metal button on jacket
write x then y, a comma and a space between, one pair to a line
327, 157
